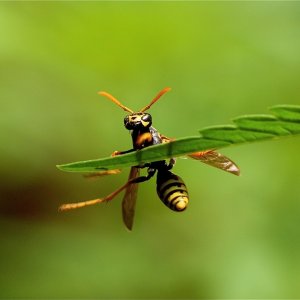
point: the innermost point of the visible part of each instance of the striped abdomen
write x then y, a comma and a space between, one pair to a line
172, 190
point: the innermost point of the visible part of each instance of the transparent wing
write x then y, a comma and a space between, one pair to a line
217, 160
212, 158
128, 203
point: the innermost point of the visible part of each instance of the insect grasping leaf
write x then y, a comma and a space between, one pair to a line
285, 121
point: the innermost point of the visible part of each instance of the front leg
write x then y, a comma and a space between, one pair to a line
115, 153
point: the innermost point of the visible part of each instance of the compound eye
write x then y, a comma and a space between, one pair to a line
126, 122
147, 118
126, 119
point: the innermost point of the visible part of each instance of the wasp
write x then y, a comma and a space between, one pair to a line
171, 189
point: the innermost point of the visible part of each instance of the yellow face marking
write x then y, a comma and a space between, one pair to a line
134, 118
145, 123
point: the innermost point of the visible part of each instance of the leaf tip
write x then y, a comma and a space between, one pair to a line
64, 168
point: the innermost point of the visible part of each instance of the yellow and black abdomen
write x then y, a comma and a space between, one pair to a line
172, 190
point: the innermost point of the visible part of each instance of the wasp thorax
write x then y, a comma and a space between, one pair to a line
137, 120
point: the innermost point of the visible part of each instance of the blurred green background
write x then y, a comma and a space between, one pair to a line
240, 237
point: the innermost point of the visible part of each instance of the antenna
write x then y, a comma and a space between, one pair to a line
163, 91
113, 99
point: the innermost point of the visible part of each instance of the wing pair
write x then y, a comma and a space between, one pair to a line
209, 157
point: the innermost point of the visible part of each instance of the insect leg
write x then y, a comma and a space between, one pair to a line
69, 206
171, 163
140, 179
101, 173
115, 153
109, 197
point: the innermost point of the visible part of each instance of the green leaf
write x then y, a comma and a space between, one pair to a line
285, 121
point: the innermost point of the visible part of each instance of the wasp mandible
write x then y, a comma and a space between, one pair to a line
170, 188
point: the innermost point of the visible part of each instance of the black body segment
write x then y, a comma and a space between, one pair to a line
171, 190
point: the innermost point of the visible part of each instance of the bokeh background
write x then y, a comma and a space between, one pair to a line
240, 237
